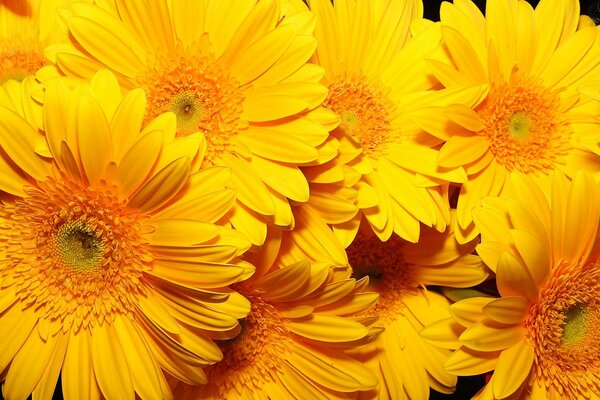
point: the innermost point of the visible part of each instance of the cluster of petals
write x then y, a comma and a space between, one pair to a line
298, 199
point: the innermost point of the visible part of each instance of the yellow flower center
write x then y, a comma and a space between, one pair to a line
256, 355
388, 274
78, 246
525, 126
202, 95
76, 254
562, 327
364, 110
19, 58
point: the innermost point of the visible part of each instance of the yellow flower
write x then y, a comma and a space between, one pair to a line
533, 119
377, 78
235, 71
399, 271
112, 271
540, 337
26, 28
295, 342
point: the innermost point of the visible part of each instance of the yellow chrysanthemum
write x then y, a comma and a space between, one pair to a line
235, 71
112, 271
540, 337
377, 78
295, 342
407, 366
26, 28
533, 119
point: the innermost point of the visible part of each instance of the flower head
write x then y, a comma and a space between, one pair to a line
297, 340
110, 256
237, 73
377, 79
533, 119
398, 271
539, 336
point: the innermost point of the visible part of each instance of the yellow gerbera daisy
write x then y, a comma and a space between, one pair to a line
407, 366
26, 28
235, 71
540, 337
294, 343
533, 120
377, 77
111, 271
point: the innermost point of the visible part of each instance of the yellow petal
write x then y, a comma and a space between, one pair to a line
443, 333
163, 186
465, 361
514, 279
126, 122
464, 116
201, 274
110, 367
327, 328
334, 370
152, 307
284, 284
18, 139
137, 162
277, 146
489, 335
181, 232
146, 375
29, 364
507, 310
462, 150
262, 54
78, 380
514, 365
285, 179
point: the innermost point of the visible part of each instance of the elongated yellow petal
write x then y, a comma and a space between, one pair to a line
163, 186
145, 375
327, 328
514, 365
110, 366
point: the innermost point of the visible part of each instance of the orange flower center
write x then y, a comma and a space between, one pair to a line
74, 253
524, 125
364, 110
388, 274
256, 355
563, 328
202, 95
19, 58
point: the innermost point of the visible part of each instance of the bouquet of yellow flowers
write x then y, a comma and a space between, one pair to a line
278, 199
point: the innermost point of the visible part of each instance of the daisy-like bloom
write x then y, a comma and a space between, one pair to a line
406, 364
540, 337
295, 342
235, 71
377, 78
112, 270
533, 120
26, 28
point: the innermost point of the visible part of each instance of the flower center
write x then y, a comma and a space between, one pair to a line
78, 246
562, 329
19, 58
575, 326
525, 126
202, 95
81, 247
388, 274
364, 110
256, 355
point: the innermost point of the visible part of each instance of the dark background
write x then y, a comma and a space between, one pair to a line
467, 386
